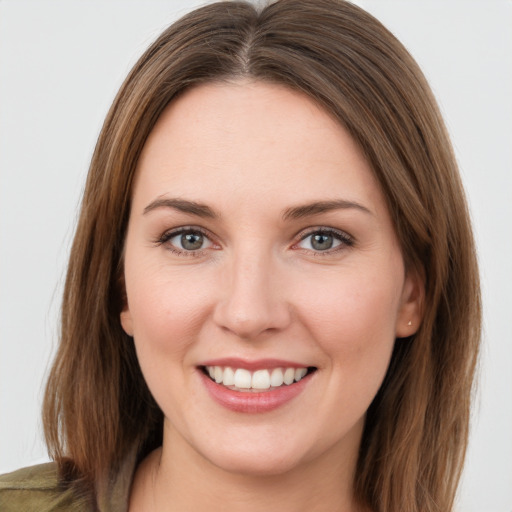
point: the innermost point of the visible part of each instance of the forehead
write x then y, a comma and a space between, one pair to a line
253, 140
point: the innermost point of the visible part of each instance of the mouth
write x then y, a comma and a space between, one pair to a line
257, 381
255, 386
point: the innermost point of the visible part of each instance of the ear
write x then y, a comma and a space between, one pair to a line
125, 316
410, 313
126, 321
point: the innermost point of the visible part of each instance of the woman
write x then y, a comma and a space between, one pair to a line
272, 296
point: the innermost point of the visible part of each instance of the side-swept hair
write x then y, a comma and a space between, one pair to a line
97, 406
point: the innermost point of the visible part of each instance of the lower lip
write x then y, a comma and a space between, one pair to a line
253, 402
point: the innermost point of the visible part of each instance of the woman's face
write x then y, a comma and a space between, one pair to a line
260, 249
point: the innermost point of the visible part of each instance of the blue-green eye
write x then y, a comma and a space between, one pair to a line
324, 240
186, 240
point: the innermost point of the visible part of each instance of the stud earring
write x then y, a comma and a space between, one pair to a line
409, 323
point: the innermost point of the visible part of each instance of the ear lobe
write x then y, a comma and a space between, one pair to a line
126, 321
410, 313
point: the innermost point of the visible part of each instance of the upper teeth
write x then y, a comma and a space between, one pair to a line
260, 379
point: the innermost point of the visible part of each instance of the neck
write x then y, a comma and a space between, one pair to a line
175, 477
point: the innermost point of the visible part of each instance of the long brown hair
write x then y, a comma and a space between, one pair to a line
97, 406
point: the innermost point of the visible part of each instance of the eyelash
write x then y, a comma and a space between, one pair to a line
345, 240
169, 235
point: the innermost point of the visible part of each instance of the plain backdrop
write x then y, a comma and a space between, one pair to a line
61, 62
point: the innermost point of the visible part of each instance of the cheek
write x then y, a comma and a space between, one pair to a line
352, 318
167, 311
167, 315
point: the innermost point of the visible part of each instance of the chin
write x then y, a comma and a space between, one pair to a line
260, 465
260, 455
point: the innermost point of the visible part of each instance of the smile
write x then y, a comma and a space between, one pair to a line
254, 386
241, 379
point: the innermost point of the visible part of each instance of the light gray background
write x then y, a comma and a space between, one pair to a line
61, 62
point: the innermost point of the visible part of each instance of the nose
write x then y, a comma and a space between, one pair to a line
252, 298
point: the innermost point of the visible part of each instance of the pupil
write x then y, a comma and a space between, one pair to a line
322, 242
191, 241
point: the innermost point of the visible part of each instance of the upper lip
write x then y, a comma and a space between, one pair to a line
255, 364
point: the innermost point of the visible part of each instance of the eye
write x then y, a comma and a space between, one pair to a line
325, 240
190, 241
185, 240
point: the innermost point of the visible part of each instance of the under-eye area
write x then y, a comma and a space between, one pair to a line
241, 379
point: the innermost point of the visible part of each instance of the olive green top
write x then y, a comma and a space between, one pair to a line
37, 489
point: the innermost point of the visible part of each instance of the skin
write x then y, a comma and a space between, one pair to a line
258, 288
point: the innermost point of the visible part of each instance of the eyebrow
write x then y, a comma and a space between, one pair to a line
318, 207
182, 205
296, 212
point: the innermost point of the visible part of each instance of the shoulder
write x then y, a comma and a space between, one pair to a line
36, 488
